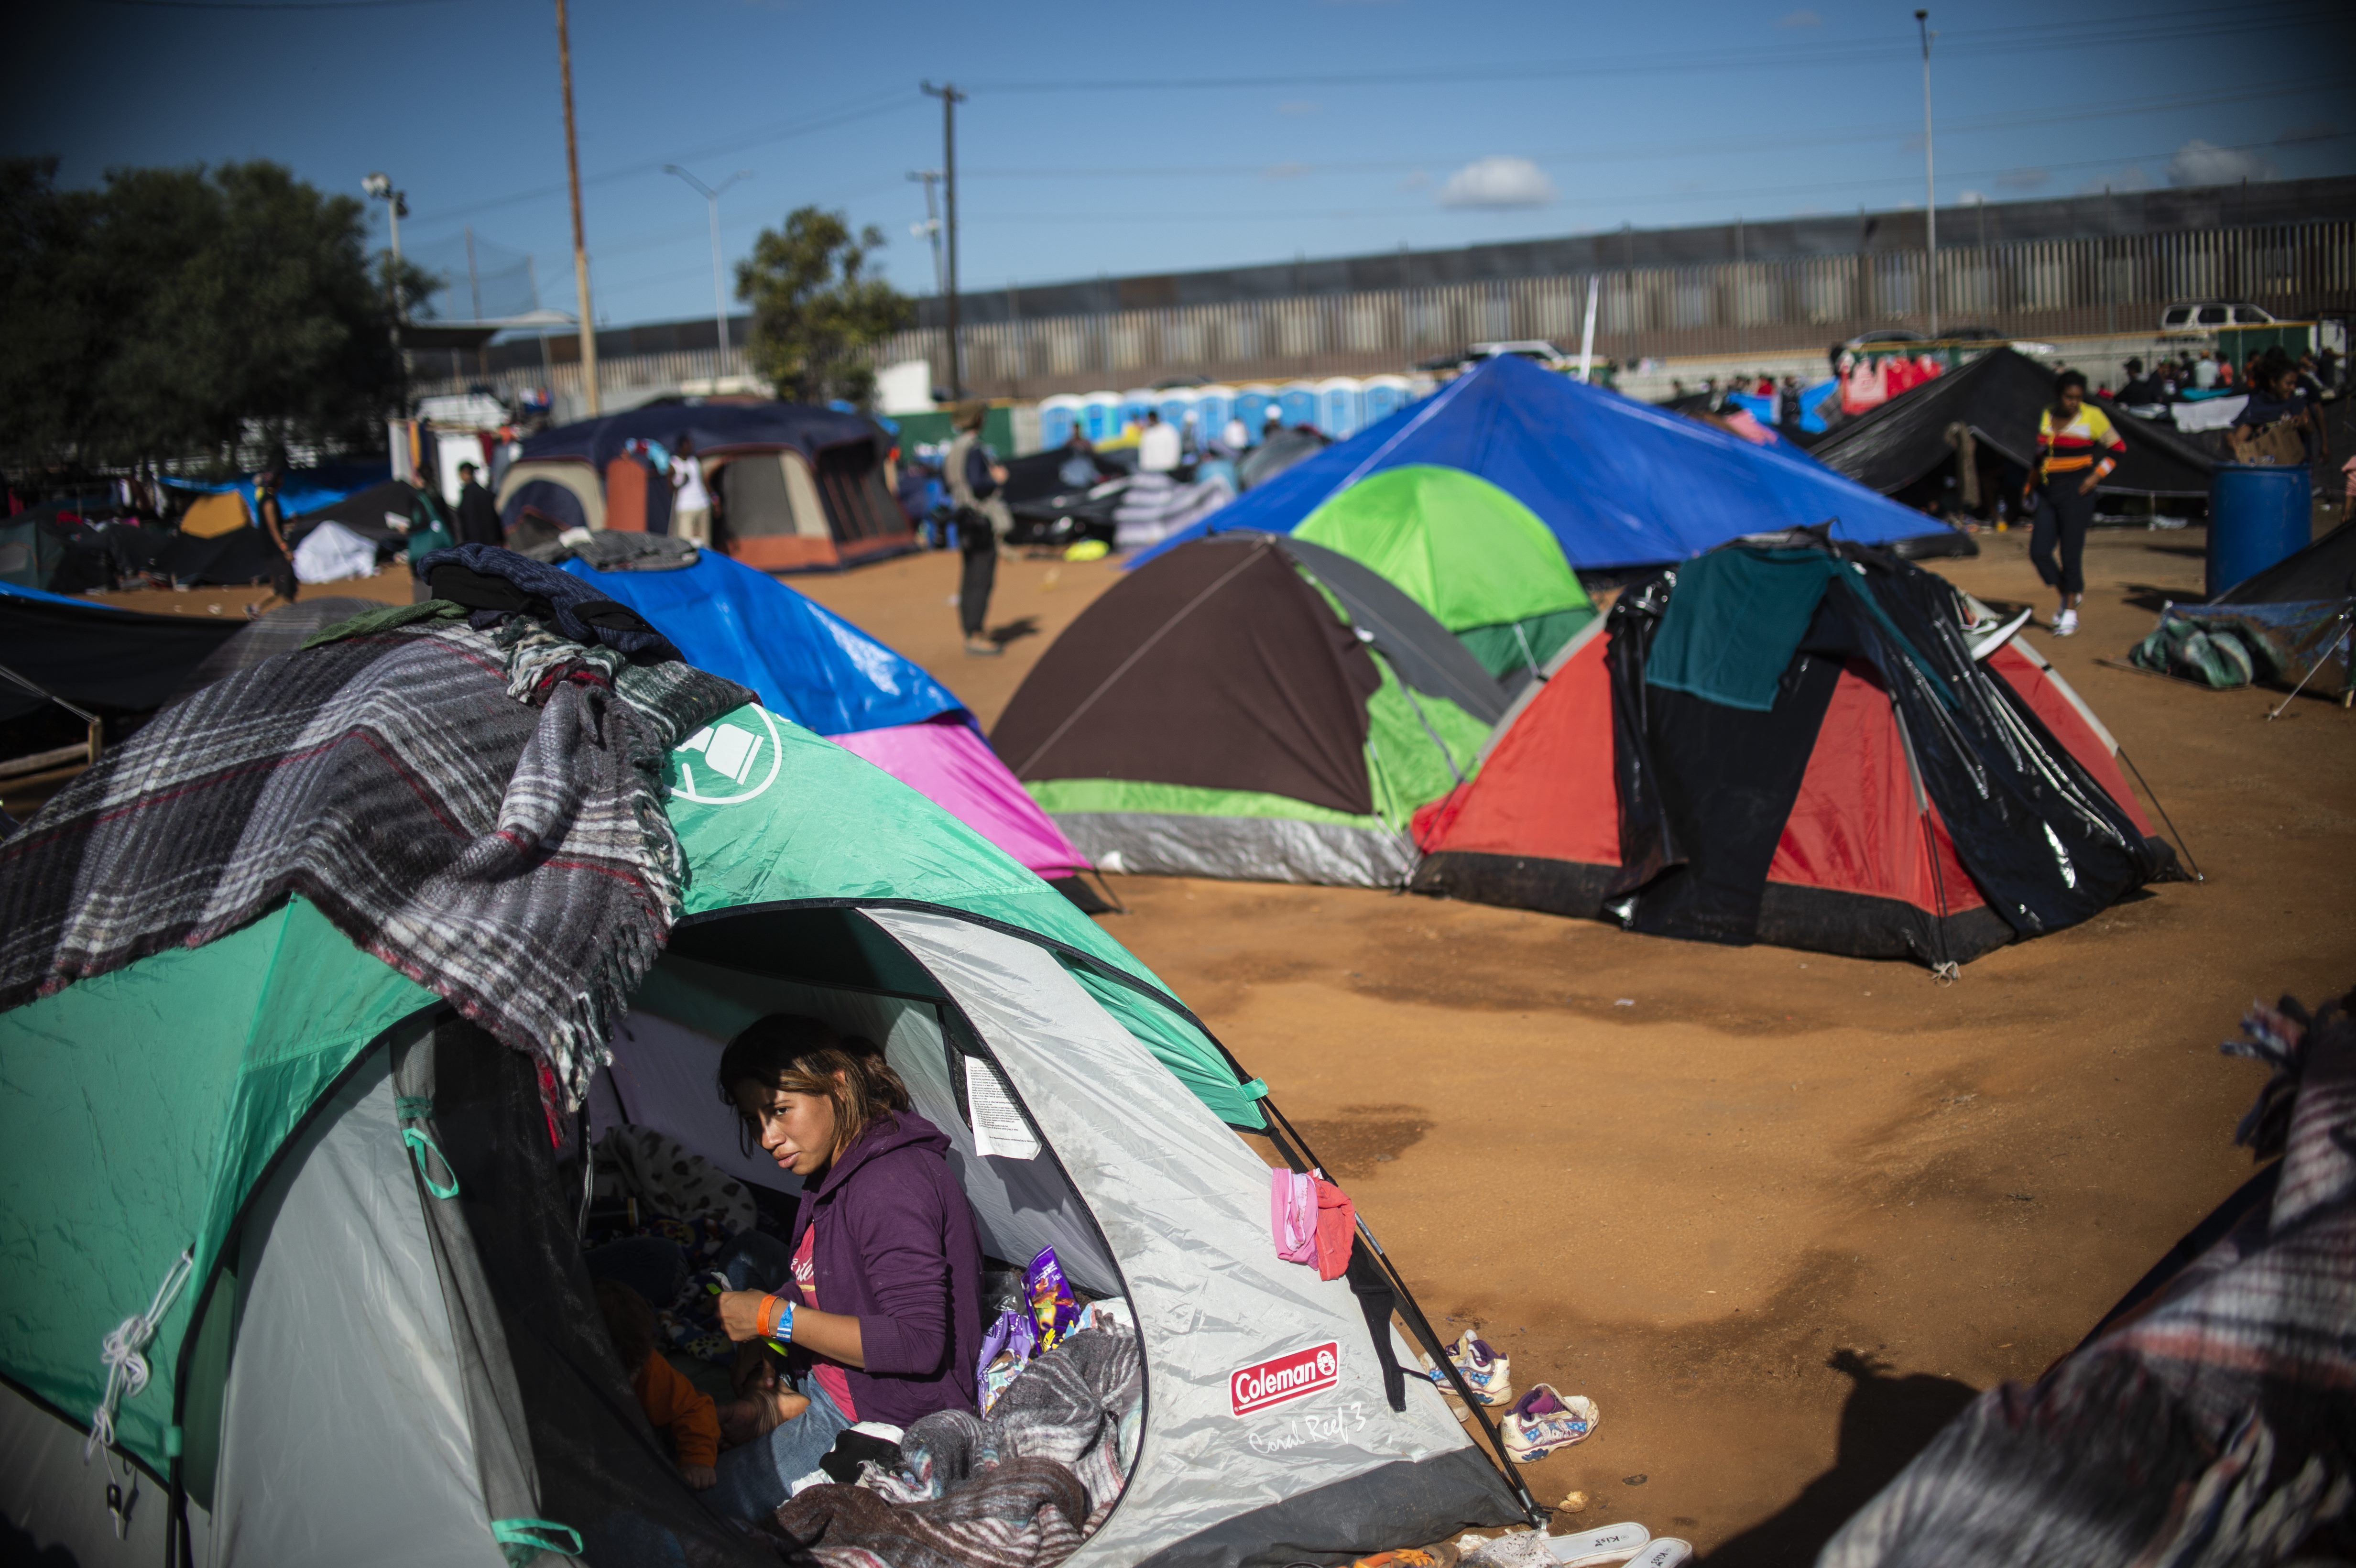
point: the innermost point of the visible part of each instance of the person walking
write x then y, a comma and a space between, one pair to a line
690, 503
271, 517
1161, 448
2077, 445
973, 475
478, 514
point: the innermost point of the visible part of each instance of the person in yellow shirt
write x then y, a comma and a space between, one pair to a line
2077, 447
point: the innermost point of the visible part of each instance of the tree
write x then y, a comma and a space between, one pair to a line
171, 309
816, 311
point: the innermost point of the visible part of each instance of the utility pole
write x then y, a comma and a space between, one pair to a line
396, 207
1930, 187
932, 228
950, 97
579, 243
719, 293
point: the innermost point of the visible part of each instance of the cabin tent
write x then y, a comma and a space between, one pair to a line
1619, 484
825, 673
1479, 560
1253, 707
796, 487
1897, 798
1994, 401
385, 1349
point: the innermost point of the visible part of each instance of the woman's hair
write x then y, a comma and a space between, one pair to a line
2064, 381
796, 1054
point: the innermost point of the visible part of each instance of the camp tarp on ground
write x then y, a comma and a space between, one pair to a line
2293, 623
1619, 484
1479, 560
798, 487
1897, 799
1226, 712
1998, 397
388, 1339
824, 673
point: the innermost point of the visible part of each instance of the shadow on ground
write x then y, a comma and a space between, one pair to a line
1885, 1422
1011, 630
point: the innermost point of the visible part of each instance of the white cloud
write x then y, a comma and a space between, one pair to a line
1802, 19
2198, 163
1497, 182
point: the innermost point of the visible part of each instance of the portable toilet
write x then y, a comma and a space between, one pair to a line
1100, 415
1133, 404
1251, 406
1214, 407
1385, 396
1297, 401
1058, 415
1175, 405
1340, 406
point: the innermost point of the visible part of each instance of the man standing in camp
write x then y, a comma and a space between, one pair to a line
271, 517
973, 475
478, 514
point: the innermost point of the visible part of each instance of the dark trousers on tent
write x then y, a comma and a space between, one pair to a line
2063, 515
981, 548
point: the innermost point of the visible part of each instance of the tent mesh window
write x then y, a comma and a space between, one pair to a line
851, 482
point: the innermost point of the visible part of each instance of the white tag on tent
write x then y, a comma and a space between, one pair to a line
998, 1126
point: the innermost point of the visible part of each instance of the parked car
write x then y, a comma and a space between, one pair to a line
2206, 315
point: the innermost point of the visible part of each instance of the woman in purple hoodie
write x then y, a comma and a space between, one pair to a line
881, 1305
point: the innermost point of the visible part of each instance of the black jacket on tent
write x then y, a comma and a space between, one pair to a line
1998, 399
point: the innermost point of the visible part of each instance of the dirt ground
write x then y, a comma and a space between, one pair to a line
1781, 1214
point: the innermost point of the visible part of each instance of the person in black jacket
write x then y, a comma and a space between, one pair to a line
478, 514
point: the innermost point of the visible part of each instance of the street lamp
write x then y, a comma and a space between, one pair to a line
396, 207
1929, 189
719, 294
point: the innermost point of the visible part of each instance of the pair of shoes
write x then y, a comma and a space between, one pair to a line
2065, 624
983, 648
1543, 1421
1488, 1374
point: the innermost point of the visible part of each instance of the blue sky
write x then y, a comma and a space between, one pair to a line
1124, 139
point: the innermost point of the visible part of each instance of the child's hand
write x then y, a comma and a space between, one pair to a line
702, 1478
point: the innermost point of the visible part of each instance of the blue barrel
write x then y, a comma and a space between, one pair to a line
2258, 514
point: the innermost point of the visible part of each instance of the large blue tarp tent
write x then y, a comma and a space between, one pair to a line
1618, 482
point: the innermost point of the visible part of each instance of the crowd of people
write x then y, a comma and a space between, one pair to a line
2203, 373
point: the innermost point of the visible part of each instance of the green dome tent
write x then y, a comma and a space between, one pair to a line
385, 1350
1481, 562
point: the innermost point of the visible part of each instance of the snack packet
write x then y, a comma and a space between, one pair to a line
1053, 1310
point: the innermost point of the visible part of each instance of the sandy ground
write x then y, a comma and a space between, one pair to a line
1780, 1213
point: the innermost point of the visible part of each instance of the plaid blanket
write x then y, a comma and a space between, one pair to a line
482, 810
1019, 1487
2211, 1424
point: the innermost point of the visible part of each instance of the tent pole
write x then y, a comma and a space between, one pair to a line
2154, 797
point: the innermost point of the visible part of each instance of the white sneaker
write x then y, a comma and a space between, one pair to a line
1488, 1374
1545, 1421
2065, 624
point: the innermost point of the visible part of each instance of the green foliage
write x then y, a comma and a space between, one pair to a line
159, 314
816, 312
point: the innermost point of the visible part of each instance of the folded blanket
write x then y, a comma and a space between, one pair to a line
1021, 1488
481, 810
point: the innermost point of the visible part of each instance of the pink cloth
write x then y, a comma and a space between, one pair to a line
954, 767
830, 1375
1313, 1221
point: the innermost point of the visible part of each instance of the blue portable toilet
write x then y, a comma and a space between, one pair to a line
1214, 407
1100, 415
1252, 403
1058, 415
1297, 401
1340, 406
1133, 404
1384, 396
1175, 406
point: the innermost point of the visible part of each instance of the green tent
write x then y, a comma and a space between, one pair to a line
384, 1347
1481, 562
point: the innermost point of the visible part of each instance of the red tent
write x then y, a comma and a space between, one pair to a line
1864, 864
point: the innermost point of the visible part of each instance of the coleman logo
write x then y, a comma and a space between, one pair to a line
1285, 1377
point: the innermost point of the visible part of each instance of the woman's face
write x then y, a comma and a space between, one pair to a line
2072, 398
797, 1129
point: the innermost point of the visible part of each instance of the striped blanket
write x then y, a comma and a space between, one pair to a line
2211, 1424
480, 809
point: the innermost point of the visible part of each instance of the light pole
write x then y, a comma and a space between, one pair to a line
719, 293
950, 97
931, 227
1930, 188
580, 239
378, 186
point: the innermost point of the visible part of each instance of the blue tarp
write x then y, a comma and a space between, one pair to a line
806, 663
43, 596
300, 490
1619, 483
712, 427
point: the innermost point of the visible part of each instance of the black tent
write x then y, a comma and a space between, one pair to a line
1996, 399
116, 661
368, 513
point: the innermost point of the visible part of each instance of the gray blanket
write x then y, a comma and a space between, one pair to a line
482, 810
